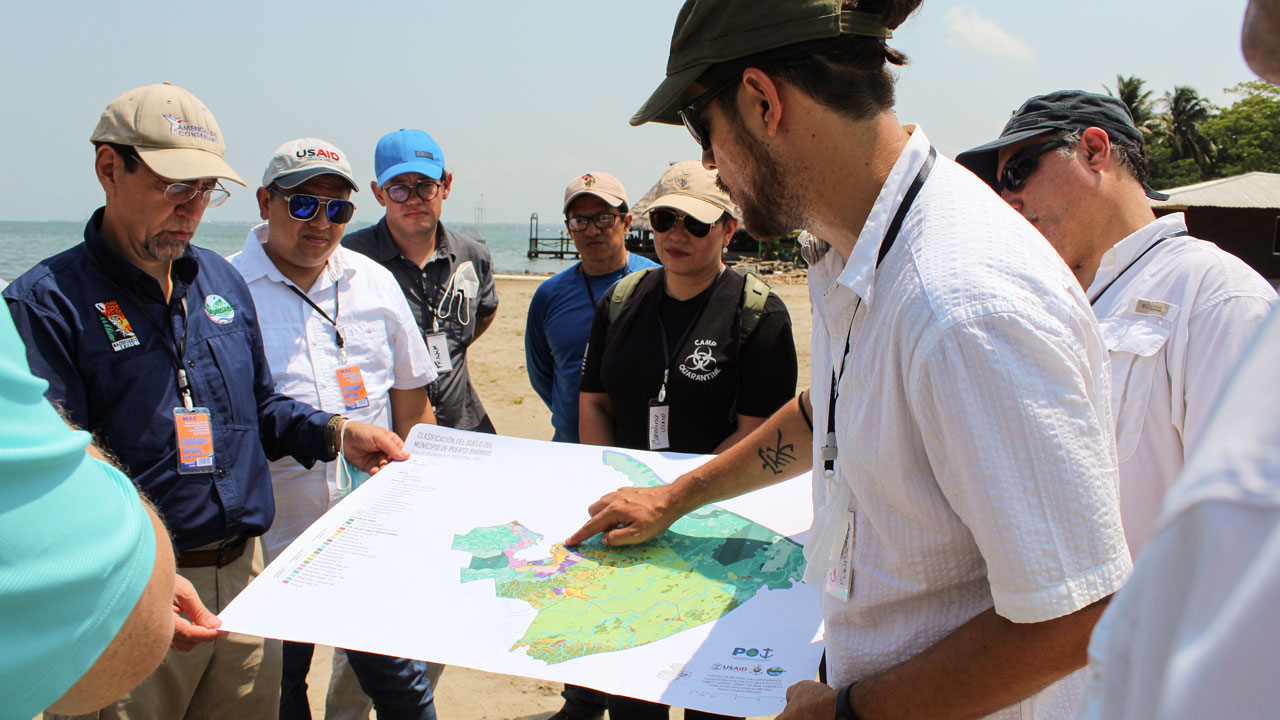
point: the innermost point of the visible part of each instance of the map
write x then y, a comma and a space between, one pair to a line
457, 556
595, 599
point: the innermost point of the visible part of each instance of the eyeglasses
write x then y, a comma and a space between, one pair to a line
427, 190
1019, 167
604, 221
664, 220
306, 207
691, 114
179, 193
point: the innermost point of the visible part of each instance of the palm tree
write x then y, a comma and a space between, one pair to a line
1141, 106
1180, 123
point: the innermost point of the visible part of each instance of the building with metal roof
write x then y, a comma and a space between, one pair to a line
1241, 214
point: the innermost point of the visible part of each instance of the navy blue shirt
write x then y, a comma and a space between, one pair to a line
555, 337
83, 315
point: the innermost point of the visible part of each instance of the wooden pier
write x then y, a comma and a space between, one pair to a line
561, 248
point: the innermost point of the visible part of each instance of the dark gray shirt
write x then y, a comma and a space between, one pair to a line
447, 295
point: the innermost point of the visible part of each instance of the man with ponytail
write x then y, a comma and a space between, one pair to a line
966, 522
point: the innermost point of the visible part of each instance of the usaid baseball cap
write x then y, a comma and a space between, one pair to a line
1061, 111
690, 188
709, 32
602, 185
171, 130
407, 151
297, 161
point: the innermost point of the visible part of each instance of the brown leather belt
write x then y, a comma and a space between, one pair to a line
220, 556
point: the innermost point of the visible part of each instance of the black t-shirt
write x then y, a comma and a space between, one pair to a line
713, 377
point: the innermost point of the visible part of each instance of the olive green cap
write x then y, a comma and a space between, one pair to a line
708, 32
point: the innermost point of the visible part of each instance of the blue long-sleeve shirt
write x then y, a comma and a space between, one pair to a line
555, 337
83, 314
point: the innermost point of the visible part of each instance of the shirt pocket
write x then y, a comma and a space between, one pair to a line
1133, 345
368, 345
233, 354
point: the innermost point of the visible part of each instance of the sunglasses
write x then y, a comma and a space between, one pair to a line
1023, 163
180, 193
664, 220
691, 114
604, 221
306, 207
427, 190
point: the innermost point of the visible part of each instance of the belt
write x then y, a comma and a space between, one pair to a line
221, 556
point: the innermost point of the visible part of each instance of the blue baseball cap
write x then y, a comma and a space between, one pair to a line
407, 151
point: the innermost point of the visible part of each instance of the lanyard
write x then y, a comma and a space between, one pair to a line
177, 349
1126, 269
669, 355
829, 449
337, 334
586, 280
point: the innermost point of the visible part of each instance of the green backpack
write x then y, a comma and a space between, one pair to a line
753, 297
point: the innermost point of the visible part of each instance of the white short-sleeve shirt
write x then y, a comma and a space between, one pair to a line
380, 335
1196, 632
1175, 322
976, 452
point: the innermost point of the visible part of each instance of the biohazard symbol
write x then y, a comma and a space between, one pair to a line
700, 362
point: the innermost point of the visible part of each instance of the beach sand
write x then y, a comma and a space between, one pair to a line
498, 371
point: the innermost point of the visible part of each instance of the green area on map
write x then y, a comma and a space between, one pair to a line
593, 599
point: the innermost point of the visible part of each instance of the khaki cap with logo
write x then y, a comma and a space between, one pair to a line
297, 161
708, 32
172, 131
602, 185
690, 188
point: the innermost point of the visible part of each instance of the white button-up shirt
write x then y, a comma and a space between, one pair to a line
1196, 632
380, 336
1176, 323
976, 454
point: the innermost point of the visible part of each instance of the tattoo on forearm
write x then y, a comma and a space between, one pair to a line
777, 457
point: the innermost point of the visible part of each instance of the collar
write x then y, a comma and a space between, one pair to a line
1119, 256
112, 264
859, 272
256, 264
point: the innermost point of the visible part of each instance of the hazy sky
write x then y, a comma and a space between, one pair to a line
521, 96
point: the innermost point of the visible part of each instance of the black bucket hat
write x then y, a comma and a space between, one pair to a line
1064, 110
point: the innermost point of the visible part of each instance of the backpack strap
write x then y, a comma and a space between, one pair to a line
754, 294
623, 290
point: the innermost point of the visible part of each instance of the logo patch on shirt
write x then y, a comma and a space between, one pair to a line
119, 332
700, 365
1151, 307
218, 309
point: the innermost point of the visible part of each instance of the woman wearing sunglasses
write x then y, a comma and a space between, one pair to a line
668, 366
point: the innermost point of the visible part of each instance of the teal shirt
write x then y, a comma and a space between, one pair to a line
76, 545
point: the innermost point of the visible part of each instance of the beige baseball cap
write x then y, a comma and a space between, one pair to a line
690, 188
172, 131
602, 185
297, 161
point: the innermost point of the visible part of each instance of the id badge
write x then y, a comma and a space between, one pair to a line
351, 382
839, 581
195, 439
659, 416
438, 348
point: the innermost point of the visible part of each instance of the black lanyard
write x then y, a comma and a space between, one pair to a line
332, 320
1126, 269
669, 355
829, 449
178, 348
586, 280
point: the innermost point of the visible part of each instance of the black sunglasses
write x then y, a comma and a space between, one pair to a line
1019, 167
305, 207
691, 114
664, 220
427, 190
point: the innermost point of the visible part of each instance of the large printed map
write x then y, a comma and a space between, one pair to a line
595, 599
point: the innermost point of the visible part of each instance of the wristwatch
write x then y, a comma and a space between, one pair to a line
844, 711
332, 439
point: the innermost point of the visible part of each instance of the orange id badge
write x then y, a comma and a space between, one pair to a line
195, 440
351, 381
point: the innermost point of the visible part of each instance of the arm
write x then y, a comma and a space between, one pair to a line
644, 513
984, 665
482, 323
537, 351
746, 423
487, 307
595, 419
408, 408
